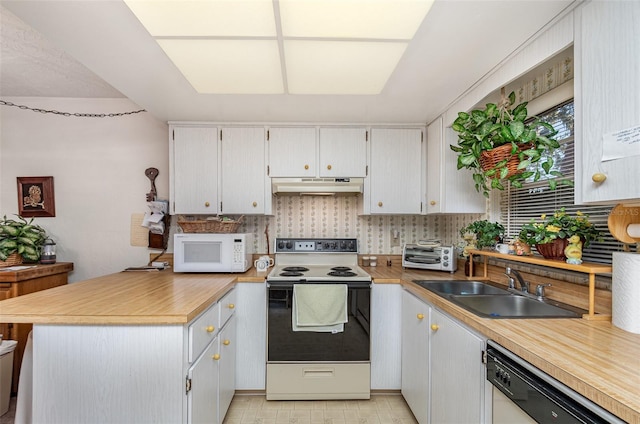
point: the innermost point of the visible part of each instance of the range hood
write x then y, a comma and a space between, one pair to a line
317, 186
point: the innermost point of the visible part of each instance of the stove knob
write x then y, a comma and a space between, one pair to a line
343, 245
280, 245
289, 245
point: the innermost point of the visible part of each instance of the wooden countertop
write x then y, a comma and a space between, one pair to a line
123, 298
595, 358
34, 271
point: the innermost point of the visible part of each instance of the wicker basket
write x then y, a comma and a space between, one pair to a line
13, 259
553, 250
489, 158
216, 225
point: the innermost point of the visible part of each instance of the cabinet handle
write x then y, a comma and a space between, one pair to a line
231, 306
226, 342
420, 316
329, 167
380, 204
216, 356
435, 327
255, 204
432, 203
306, 167
207, 204
599, 177
210, 329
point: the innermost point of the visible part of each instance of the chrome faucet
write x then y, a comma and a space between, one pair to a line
524, 285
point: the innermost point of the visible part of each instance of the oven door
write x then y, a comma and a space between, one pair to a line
286, 345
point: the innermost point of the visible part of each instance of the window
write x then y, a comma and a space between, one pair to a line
519, 206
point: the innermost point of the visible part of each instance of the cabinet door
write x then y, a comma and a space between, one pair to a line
343, 152
243, 171
415, 355
202, 399
457, 372
449, 190
195, 170
607, 97
292, 152
252, 336
396, 171
227, 367
386, 340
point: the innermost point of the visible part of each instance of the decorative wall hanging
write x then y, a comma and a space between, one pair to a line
35, 197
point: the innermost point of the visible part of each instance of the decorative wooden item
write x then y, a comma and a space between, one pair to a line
620, 218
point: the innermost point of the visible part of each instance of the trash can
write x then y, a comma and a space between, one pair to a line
6, 370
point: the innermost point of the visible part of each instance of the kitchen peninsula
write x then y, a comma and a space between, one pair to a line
143, 316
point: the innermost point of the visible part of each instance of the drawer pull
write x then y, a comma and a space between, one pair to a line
216, 356
207, 204
255, 204
318, 373
210, 329
226, 342
420, 316
306, 167
231, 306
434, 327
329, 167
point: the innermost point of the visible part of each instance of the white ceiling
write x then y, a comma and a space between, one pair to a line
99, 49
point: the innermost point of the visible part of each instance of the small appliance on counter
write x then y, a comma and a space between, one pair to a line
212, 252
430, 255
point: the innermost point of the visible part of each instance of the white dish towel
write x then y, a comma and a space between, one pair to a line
319, 307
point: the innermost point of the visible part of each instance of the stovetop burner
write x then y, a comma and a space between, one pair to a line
342, 274
341, 268
291, 274
298, 269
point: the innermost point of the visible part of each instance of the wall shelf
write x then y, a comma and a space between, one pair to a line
586, 267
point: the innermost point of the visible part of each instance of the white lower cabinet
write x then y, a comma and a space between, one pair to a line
202, 386
442, 369
226, 367
251, 352
386, 349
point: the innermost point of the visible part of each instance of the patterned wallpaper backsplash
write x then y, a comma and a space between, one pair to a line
328, 217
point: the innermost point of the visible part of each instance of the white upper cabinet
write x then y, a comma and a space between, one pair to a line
244, 188
449, 190
292, 152
343, 152
194, 170
395, 172
607, 97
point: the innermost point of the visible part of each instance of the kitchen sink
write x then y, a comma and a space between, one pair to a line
488, 301
459, 287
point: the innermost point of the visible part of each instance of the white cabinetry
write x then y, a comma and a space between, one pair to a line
252, 336
245, 188
394, 185
607, 96
343, 152
442, 369
292, 152
386, 340
194, 169
449, 190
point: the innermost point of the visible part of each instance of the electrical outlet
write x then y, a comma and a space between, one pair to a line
395, 238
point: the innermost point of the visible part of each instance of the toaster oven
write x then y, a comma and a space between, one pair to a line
439, 258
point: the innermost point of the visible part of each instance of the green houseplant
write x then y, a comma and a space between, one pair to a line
498, 143
487, 233
20, 238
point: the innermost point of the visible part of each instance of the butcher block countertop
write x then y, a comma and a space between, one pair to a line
595, 358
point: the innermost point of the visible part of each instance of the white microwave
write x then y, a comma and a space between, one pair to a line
207, 252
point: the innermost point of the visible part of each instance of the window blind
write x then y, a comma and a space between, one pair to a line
519, 206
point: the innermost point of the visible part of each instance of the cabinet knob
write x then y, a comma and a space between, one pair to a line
207, 204
432, 203
216, 356
210, 329
231, 306
255, 204
306, 167
434, 327
329, 167
599, 177
226, 342
380, 204
420, 316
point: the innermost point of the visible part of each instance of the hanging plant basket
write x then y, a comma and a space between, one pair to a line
494, 159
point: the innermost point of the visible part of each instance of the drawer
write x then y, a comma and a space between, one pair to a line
203, 330
227, 306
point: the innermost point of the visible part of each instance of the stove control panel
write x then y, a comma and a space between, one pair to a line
321, 245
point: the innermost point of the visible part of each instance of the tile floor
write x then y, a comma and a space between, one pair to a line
380, 409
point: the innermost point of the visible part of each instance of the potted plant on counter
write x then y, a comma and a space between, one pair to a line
499, 143
20, 239
486, 233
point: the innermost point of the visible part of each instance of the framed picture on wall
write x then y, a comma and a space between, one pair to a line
35, 197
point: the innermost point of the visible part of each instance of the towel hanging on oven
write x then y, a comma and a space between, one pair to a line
319, 307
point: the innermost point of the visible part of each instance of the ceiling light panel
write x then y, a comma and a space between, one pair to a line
340, 67
205, 18
228, 66
373, 19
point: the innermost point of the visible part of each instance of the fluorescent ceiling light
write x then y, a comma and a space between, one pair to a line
228, 66
330, 67
245, 46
